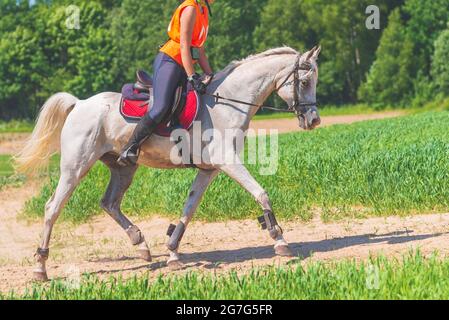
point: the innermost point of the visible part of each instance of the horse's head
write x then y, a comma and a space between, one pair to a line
297, 87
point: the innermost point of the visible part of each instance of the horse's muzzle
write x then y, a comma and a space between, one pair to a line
310, 120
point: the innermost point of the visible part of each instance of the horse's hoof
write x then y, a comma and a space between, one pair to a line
283, 251
145, 254
40, 276
175, 265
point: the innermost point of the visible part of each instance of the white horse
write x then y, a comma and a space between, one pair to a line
85, 131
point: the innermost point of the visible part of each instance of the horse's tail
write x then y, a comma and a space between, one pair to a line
46, 136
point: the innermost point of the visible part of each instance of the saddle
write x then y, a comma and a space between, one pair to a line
137, 100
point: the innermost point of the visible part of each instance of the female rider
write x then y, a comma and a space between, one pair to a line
175, 62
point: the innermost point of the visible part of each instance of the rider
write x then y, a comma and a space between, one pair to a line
175, 62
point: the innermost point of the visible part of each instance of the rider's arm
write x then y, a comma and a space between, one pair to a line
204, 62
188, 18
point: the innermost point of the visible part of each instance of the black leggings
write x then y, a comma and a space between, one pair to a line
168, 75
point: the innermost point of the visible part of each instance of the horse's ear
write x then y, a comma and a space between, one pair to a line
313, 53
309, 54
316, 53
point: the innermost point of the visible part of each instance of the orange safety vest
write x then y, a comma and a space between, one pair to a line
200, 31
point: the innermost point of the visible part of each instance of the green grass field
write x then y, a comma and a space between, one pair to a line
411, 277
16, 126
6, 168
392, 166
7, 176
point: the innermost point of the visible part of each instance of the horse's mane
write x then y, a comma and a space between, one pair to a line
272, 52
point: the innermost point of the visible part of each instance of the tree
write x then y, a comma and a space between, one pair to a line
440, 65
41, 55
293, 29
231, 30
401, 73
138, 28
22, 64
12, 14
388, 77
426, 19
339, 26
92, 54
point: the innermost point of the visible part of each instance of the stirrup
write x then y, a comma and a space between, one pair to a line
126, 159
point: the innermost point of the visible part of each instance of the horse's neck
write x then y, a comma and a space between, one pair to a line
255, 81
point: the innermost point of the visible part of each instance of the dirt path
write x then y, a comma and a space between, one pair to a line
101, 247
291, 125
10, 143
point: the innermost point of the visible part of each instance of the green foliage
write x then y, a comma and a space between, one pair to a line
231, 30
21, 63
388, 79
402, 71
5, 166
292, 30
40, 56
392, 166
7, 176
16, 126
138, 29
81, 59
339, 26
426, 20
440, 65
410, 277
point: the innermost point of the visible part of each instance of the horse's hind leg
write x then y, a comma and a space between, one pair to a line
72, 171
53, 209
121, 178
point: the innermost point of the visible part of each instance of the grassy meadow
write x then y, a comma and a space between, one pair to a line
385, 167
410, 277
6, 168
7, 175
16, 126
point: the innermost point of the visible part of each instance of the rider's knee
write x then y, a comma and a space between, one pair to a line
156, 114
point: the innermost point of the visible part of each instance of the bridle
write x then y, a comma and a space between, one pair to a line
299, 108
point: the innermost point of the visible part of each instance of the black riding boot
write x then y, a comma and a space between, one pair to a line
130, 153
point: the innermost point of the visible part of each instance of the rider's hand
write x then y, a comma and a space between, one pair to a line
197, 83
207, 78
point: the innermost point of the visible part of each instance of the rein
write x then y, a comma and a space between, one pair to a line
267, 107
297, 107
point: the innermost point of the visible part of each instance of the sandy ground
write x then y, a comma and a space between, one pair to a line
291, 125
10, 143
100, 247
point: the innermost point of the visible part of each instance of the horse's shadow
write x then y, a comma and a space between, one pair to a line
303, 250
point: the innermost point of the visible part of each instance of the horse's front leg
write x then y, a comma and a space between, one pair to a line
199, 186
240, 174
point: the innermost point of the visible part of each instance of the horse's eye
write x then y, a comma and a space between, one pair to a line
304, 83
